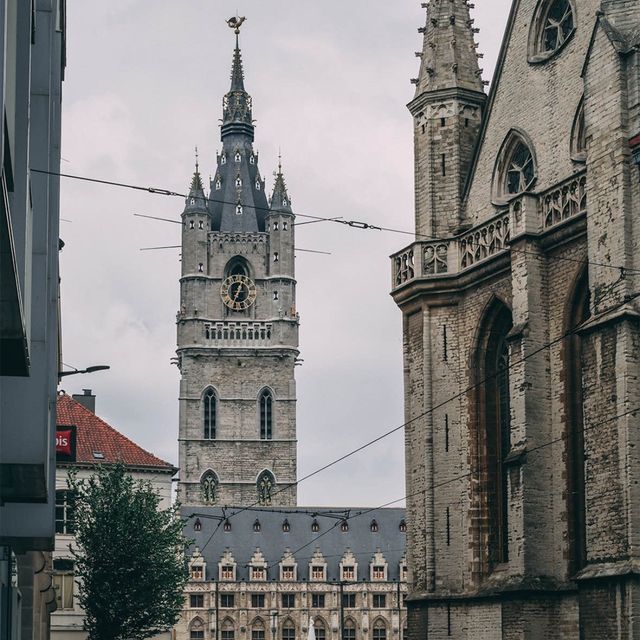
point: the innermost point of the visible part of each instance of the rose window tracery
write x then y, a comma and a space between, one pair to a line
520, 170
558, 25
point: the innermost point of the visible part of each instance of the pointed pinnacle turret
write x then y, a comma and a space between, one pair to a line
196, 200
280, 200
448, 58
237, 105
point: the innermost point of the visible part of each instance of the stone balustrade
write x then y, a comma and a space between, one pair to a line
437, 258
238, 334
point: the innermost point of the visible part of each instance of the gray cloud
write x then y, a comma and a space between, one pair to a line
330, 82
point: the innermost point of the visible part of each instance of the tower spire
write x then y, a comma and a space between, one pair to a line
237, 104
449, 58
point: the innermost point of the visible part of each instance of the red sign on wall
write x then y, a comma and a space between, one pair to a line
66, 443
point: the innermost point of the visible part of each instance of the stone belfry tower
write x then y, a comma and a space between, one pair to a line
447, 114
237, 326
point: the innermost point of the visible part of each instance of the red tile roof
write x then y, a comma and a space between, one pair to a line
95, 435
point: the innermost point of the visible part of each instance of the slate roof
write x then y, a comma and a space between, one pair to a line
94, 435
242, 540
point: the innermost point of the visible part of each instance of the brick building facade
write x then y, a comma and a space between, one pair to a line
520, 321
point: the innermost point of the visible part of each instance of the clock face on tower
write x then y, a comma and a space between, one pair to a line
238, 292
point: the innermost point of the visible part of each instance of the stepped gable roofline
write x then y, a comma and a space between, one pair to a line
95, 435
274, 542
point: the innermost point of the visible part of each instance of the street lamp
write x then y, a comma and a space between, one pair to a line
95, 367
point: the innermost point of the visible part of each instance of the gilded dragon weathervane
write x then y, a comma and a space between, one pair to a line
235, 23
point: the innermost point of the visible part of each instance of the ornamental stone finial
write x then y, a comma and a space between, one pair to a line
235, 23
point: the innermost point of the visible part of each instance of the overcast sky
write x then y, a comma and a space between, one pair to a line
330, 81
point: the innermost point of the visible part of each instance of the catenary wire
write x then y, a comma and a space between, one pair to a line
456, 396
458, 478
415, 418
356, 224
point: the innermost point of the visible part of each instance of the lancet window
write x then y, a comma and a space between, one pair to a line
209, 487
515, 170
495, 427
266, 485
265, 403
209, 414
578, 312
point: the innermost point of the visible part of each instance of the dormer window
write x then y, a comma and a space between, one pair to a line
256, 525
238, 157
344, 526
373, 526
197, 572
317, 573
315, 527
252, 159
218, 185
238, 181
226, 526
286, 527
285, 202
223, 159
227, 572
348, 572
403, 526
258, 573
239, 210
258, 185
378, 572
192, 201
288, 572
197, 525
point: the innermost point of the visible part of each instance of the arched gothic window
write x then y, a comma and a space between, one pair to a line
196, 629
265, 403
552, 26
209, 414
577, 313
349, 630
379, 630
209, 487
288, 630
237, 267
515, 170
495, 427
228, 630
266, 485
320, 629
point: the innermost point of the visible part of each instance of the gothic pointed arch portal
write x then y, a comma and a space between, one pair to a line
266, 485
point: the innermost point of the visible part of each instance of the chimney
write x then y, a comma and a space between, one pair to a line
87, 400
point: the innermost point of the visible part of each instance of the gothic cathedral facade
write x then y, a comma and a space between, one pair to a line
521, 321
237, 327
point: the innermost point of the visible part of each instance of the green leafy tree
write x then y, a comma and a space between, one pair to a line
130, 556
